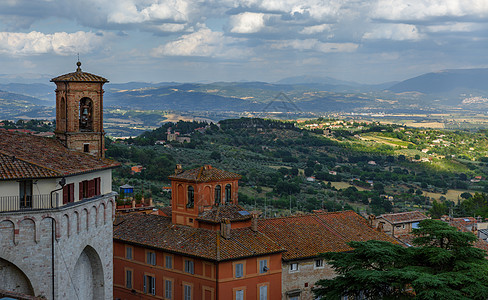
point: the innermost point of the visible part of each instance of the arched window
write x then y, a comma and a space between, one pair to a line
228, 193
62, 109
218, 195
191, 197
86, 114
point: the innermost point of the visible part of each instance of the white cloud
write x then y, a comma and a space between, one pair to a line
396, 32
61, 43
137, 11
315, 45
204, 42
317, 9
425, 9
452, 27
247, 22
315, 29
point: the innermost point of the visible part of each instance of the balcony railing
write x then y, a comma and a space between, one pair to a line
33, 202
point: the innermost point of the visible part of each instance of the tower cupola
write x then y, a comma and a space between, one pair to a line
79, 111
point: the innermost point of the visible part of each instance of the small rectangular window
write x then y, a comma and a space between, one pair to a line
263, 266
169, 262
151, 258
187, 292
294, 267
168, 289
189, 266
128, 279
240, 295
319, 263
128, 252
149, 284
86, 148
239, 270
263, 292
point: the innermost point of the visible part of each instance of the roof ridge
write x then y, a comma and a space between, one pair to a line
200, 172
309, 214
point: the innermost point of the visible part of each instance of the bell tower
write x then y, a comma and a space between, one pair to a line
79, 111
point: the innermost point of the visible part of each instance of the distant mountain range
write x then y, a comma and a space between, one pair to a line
463, 88
445, 81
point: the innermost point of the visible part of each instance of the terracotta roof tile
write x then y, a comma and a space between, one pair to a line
13, 168
309, 235
158, 232
79, 76
29, 156
404, 217
231, 212
204, 174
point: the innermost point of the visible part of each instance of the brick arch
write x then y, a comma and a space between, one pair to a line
28, 228
14, 279
206, 198
93, 217
78, 221
88, 277
65, 218
101, 209
180, 195
84, 219
8, 232
111, 208
86, 114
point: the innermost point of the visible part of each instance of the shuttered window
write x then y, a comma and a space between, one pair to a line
263, 292
168, 289
240, 295
239, 270
187, 292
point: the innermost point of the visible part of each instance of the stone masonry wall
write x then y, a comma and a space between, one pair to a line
83, 235
304, 278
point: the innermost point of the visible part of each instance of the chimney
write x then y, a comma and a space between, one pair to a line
133, 202
225, 228
254, 224
178, 169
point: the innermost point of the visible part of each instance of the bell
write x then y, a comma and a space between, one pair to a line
85, 111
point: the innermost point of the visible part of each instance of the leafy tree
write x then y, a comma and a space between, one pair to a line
443, 265
308, 171
438, 209
466, 195
215, 155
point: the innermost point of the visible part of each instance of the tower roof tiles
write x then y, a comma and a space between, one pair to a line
204, 174
79, 76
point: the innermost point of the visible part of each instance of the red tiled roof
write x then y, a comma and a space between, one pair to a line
158, 232
166, 210
404, 217
217, 213
204, 174
29, 156
309, 235
79, 76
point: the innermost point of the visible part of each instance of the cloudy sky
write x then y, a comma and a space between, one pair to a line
368, 41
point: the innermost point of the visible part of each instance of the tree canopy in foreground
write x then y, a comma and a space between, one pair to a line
442, 265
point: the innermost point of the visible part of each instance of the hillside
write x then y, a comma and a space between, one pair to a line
358, 165
445, 81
